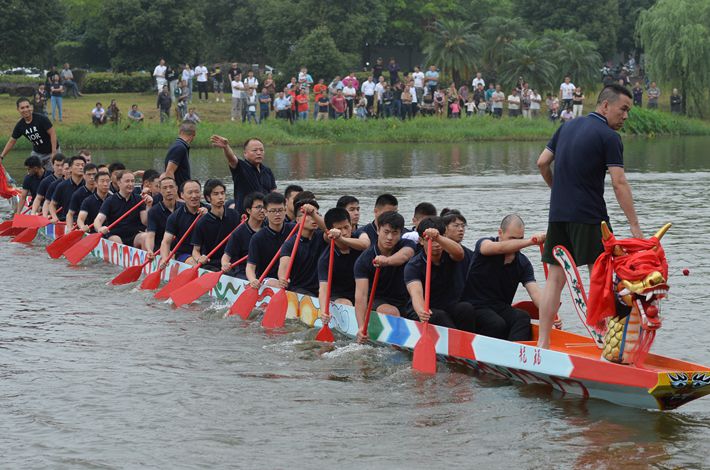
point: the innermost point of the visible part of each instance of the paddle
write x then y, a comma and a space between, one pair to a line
190, 274
375, 279
425, 352
246, 301
132, 273
152, 280
78, 251
8, 223
195, 289
30, 221
63, 243
325, 334
275, 314
29, 234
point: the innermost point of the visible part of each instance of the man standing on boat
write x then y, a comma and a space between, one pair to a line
177, 160
38, 130
582, 151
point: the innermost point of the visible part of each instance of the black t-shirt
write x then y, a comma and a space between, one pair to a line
44, 185
390, 286
343, 271
31, 184
177, 225
56, 89
77, 198
157, 221
238, 247
37, 132
264, 245
62, 196
53, 187
211, 230
447, 279
115, 206
584, 148
179, 154
491, 282
370, 230
304, 274
323, 104
91, 205
248, 179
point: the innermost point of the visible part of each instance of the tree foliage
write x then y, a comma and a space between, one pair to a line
318, 52
454, 48
573, 54
529, 59
674, 34
28, 30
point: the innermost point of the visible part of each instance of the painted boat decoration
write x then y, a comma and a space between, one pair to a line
572, 365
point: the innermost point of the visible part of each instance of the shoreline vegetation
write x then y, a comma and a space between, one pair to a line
79, 133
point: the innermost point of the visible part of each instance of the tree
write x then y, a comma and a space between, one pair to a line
454, 47
28, 31
497, 33
674, 35
629, 11
317, 51
574, 55
529, 59
233, 38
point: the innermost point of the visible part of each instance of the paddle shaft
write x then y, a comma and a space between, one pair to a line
295, 247
128, 212
238, 262
226, 239
330, 277
182, 239
276, 257
370, 302
427, 280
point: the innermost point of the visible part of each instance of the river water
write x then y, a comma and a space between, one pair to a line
93, 376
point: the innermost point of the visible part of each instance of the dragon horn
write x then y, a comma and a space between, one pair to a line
662, 231
606, 234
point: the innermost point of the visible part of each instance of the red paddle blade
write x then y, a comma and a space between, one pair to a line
83, 247
11, 232
177, 282
128, 275
245, 303
26, 236
29, 221
62, 244
195, 289
275, 314
325, 334
5, 225
425, 353
151, 281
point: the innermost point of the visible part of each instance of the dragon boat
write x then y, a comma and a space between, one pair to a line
605, 365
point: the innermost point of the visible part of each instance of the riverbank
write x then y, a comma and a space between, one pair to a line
76, 132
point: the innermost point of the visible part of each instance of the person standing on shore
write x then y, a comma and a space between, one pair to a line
159, 74
38, 130
177, 160
582, 151
201, 73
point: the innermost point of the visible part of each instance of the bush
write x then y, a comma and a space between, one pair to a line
106, 82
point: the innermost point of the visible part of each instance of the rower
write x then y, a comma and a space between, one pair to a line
498, 267
304, 273
250, 174
390, 253
352, 205
448, 273
337, 221
217, 224
150, 185
35, 174
130, 231
266, 242
292, 190
113, 170
66, 173
159, 213
179, 222
58, 173
82, 193
91, 206
61, 198
383, 203
238, 245
423, 210
455, 224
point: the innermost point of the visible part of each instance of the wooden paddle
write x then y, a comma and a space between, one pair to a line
152, 280
325, 334
190, 274
196, 288
275, 314
78, 251
246, 301
425, 351
371, 301
132, 273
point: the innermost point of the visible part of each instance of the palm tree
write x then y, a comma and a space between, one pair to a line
528, 58
454, 47
574, 55
498, 32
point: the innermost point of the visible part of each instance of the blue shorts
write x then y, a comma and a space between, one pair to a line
182, 257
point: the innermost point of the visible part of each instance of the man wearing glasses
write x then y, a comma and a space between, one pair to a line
238, 244
249, 174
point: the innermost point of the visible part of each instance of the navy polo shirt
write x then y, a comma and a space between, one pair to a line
31, 184
238, 247
248, 178
115, 206
62, 195
370, 230
179, 154
390, 286
91, 205
304, 274
343, 267
447, 278
177, 224
211, 230
52, 188
491, 282
157, 220
264, 245
584, 148
45, 184
77, 198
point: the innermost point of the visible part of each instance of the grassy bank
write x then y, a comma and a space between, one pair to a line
76, 132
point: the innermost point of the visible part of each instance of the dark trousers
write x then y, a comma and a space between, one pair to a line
461, 316
201, 88
503, 322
